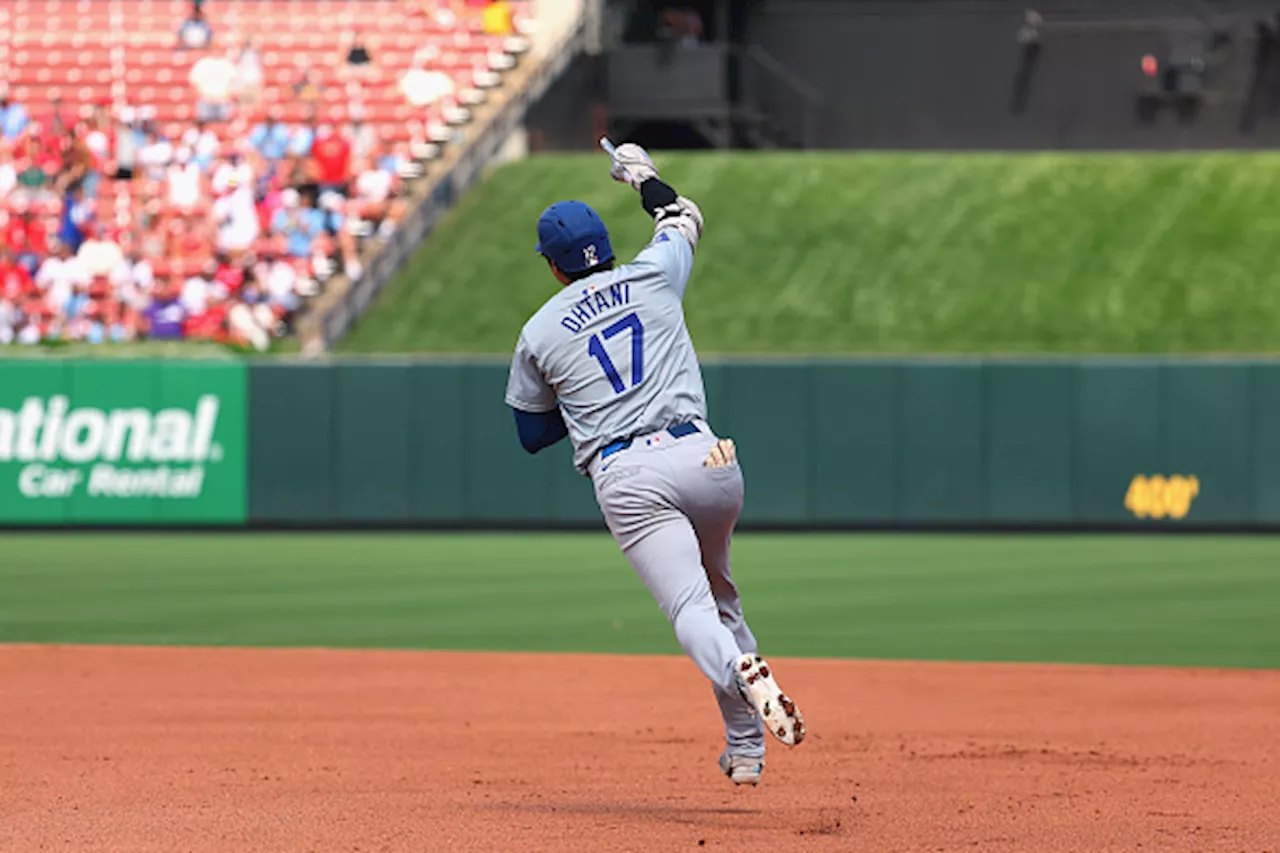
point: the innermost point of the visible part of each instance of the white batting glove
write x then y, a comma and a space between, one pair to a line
724, 454
632, 165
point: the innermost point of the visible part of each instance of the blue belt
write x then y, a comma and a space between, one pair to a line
677, 431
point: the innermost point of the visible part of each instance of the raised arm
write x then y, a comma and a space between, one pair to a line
674, 216
633, 165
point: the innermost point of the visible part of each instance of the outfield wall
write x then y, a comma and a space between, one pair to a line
875, 443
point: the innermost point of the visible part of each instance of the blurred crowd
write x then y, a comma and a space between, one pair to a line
113, 231
115, 228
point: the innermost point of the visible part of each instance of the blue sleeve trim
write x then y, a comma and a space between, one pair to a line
539, 429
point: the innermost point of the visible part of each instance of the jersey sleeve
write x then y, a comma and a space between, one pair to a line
671, 253
527, 390
677, 227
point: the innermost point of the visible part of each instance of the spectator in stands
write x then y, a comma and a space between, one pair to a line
40, 323
185, 241
8, 171
77, 323
394, 157
251, 320
8, 320
77, 166
165, 316
356, 59
129, 142
211, 325
373, 191
25, 236
336, 226
204, 144
90, 322
306, 88
70, 318
234, 172
195, 33
133, 279
213, 78
249, 75
153, 241
234, 210
77, 213
331, 154
13, 117
98, 143
364, 139
155, 157
299, 225
36, 163
20, 220
132, 323
423, 86
99, 254
104, 317
197, 291
60, 276
397, 209
16, 282
271, 138
497, 18
184, 184
245, 328
279, 280
56, 124
229, 275
445, 13
301, 140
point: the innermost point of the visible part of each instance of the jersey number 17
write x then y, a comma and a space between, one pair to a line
597, 351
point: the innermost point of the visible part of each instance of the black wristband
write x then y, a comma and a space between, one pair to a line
654, 194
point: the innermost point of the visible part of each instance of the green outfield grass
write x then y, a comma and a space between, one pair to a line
871, 252
1135, 600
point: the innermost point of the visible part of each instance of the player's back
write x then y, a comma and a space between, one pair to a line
615, 350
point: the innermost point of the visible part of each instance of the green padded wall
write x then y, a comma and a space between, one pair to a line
823, 442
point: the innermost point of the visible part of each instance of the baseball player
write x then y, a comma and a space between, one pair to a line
608, 362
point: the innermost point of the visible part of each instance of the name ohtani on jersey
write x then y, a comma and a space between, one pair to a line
594, 302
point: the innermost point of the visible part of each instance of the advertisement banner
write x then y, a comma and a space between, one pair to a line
143, 442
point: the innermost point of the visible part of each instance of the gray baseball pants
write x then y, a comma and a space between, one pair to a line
673, 518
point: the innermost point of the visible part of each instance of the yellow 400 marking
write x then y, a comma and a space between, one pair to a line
1158, 496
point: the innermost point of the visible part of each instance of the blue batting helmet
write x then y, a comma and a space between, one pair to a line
572, 235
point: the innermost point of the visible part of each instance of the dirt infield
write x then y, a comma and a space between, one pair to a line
303, 750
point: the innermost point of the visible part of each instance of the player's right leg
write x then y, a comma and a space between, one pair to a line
712, 498
744, 731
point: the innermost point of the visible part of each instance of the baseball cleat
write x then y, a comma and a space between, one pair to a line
781, 716
742, 769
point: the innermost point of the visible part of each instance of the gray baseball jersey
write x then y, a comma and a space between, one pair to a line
613, 352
